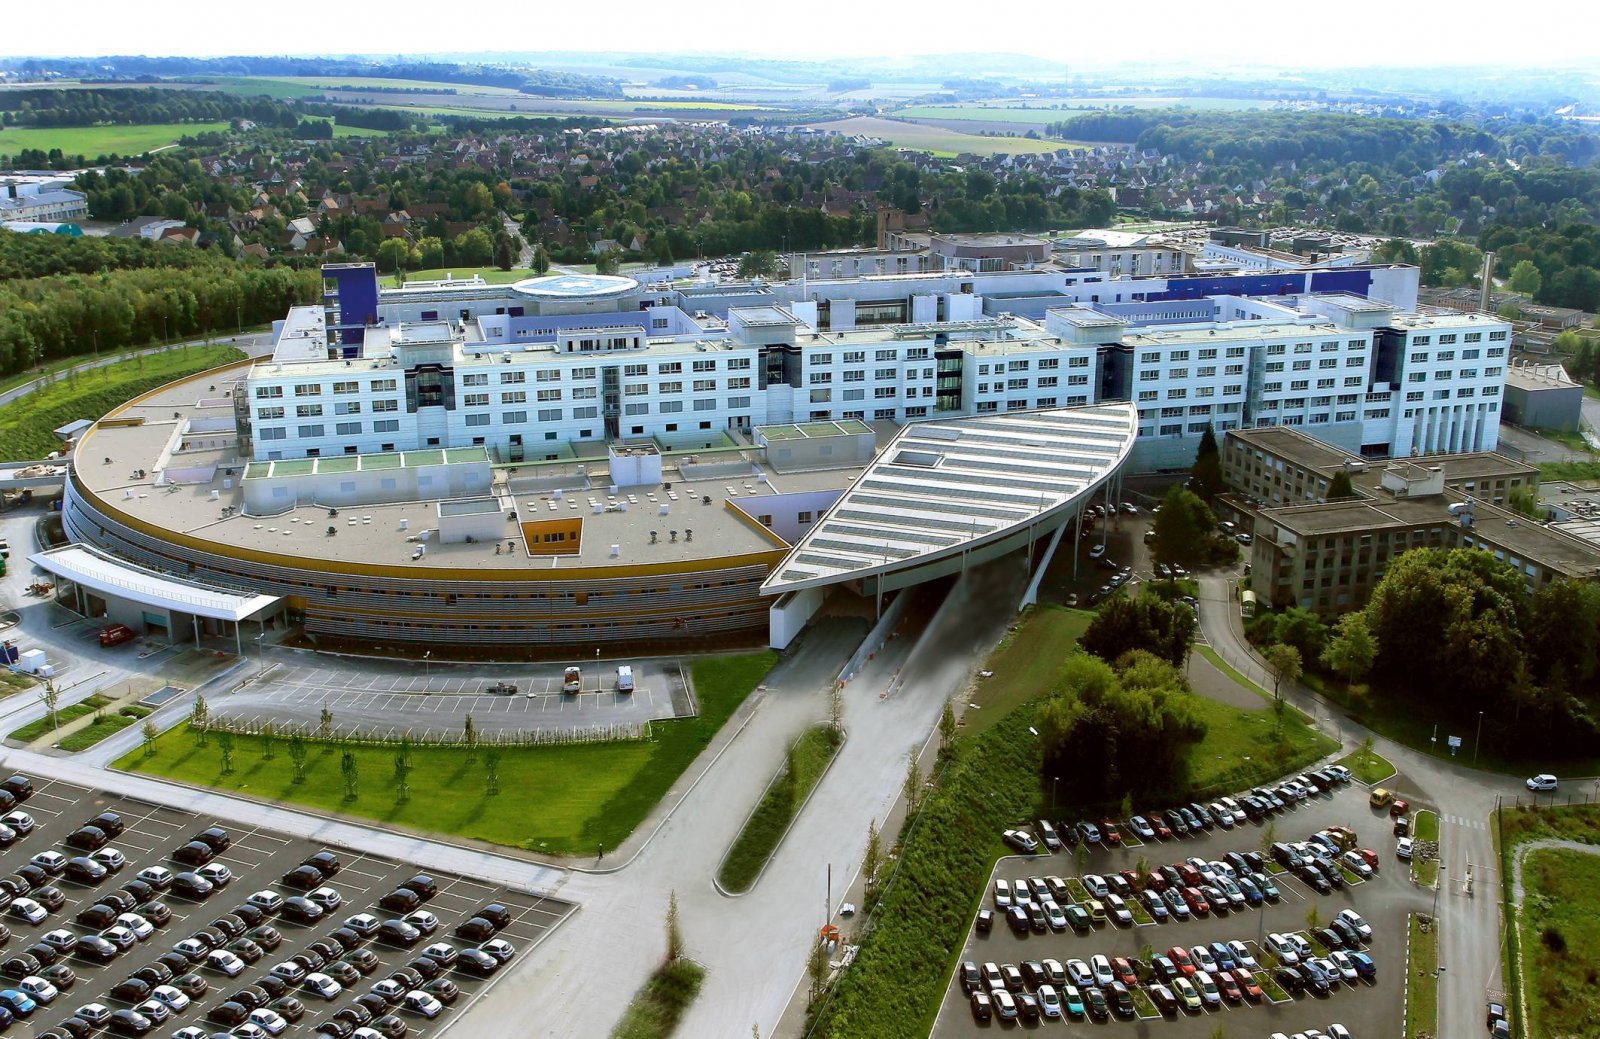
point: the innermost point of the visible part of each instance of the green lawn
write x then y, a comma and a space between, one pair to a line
72, 712
1559, 932
26, 424
656, 1009
1369, 767
1026, 663
1422, 985
492, 275
1569, 470
101, 140
11, 683
1244, 748
562, 800
807, 760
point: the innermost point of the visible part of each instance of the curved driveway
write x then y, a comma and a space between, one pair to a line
1465, 798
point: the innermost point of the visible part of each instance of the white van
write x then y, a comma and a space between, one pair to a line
625, 678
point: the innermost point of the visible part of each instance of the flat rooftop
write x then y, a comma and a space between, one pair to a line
1295, 447
1207, 331
373, 534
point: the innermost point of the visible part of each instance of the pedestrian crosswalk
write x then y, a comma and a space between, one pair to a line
1468, 824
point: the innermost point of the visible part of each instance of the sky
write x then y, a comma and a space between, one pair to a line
1347, 33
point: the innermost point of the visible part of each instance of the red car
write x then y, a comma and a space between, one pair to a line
1368, 856
1124, 971
1110, 833
1163, 831
1180, 958
1132, 877
1155, 882
1190, 875
1229, 986
1196, 901
1247, 984
1398, 808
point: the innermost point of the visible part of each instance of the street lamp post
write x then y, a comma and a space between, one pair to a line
427, 668
1053, 781
1478, 739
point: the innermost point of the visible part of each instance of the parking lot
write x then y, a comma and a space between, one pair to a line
438, 697
257, 859
1367, 1008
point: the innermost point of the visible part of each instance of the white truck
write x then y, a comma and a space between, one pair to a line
572, 681
625, 678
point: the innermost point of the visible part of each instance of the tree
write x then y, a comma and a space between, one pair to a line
1340, 486
148, 731
269, 741
491, 772
325, 723
402, 772
674, 929
199, 718
759, 263
1525, 278
297, 755
394, 254
1110, 732
608, 262
504, 256
1302, 629
1206, 473
1352, 649
1525, 501
1449, 623
473, 248
1284, 663
871, 860
1182, 528
351, 773
817, 969
947, 728
911, 789
225, 744
469, 737
1144, 621
541, 259
51, 698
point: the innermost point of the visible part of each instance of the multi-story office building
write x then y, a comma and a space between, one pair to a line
1328, 556
531, 370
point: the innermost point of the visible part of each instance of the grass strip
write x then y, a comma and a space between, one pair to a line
26, 424
559, 800
1367, 766
1426, 828
1422, 983
807, 760
657, 1008
102, 727
1559, 932
1024, 666
70, 713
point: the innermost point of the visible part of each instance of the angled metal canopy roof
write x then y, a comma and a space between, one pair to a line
95, 570
943, 487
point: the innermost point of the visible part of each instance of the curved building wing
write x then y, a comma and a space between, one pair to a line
943, 491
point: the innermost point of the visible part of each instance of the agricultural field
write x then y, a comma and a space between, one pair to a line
311, 86
101, 140
1056, 104
937, 140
